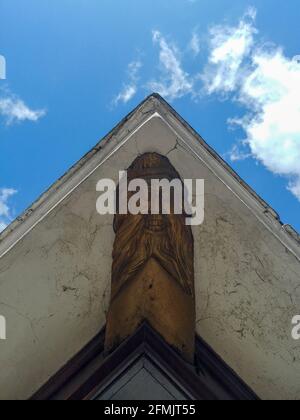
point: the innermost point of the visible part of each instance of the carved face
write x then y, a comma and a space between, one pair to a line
165, 238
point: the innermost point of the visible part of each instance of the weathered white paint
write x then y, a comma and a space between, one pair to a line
56, 261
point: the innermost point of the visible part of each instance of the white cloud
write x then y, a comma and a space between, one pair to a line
194, 44
174, 82
294, 187
267, 83
229, 47
129, 89
237, 154
14, 109
128, 92
272, 89
5, 211
260, 78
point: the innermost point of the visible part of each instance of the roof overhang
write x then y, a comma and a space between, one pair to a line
92, 374
153, 107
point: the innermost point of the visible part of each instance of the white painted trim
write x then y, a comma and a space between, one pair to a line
56, 195
62, 193
256, 208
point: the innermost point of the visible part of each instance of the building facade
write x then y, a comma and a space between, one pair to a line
57, 286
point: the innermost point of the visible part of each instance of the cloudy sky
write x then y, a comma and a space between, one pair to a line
231, 68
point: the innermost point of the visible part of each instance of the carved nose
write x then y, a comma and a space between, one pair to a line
156, 222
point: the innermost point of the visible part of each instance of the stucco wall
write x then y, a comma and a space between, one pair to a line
55, 283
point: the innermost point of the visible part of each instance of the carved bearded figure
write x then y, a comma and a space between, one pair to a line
153, 259
165, 238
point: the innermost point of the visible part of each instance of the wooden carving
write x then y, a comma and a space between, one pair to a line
153, 269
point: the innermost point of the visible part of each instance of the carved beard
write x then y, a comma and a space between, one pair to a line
165, 238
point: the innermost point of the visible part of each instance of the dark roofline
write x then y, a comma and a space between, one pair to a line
209, 379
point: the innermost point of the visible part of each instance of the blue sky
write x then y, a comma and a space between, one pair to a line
76, 67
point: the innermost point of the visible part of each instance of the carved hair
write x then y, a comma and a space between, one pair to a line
166, 238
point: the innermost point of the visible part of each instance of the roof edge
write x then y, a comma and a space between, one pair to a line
53, 188
269, 210
151, 105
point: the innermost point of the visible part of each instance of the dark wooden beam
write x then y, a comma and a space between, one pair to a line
208, 379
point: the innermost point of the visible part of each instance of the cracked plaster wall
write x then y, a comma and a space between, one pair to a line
55, 283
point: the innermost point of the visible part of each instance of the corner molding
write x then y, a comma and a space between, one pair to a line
210, 380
